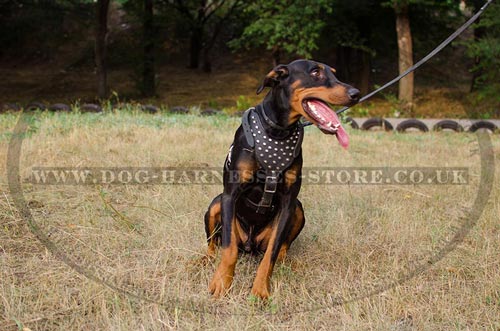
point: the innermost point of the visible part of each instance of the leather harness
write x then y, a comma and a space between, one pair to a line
274, 154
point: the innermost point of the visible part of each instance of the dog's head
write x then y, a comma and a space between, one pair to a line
307, 88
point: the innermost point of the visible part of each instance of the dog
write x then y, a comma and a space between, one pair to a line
258, 210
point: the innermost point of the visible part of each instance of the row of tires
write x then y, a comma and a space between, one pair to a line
95, 108
86, 108
417, 125
369, 124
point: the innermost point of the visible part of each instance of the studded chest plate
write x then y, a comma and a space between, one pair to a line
274, 154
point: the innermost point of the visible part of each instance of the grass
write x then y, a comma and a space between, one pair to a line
144, 238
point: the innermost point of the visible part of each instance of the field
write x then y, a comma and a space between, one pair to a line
124, 257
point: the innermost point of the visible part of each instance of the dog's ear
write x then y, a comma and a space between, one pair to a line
273, 77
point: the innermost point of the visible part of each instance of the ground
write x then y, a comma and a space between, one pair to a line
132, 249
442, 86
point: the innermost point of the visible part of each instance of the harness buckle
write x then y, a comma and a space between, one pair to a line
271, 184
270, 188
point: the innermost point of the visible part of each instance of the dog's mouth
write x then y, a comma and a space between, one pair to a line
325, 119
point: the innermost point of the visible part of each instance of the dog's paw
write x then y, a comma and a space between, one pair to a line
260, 291
220, 284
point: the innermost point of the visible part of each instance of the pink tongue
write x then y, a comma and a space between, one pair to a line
324, 115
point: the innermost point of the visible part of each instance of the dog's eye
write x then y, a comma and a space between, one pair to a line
315, 72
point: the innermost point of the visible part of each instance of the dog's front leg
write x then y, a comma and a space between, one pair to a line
223, 277
261, 284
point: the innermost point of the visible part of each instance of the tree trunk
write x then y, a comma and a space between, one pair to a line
207, 64
405, 54
342, 64
364, 77
276, 54
195, 47
101, 48
478, 34
148, 71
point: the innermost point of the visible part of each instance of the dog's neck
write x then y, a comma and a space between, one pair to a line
275, 112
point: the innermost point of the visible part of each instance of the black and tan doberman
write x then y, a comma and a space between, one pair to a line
258, 211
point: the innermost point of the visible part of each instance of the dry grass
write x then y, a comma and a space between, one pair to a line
356, 239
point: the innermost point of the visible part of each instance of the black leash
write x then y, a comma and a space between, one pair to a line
436, 50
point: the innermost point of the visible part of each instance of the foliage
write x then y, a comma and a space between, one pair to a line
487, 50
27, 26
243, 103
293, 26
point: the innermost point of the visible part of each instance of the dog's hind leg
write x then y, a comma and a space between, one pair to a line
213, 226
298, 221
223, 277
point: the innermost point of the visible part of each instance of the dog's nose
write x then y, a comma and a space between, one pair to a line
353, 93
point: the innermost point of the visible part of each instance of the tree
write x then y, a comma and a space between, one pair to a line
405, 51
198, 14
148, 71
434, 11
102, 7
485, 50
355, 31
286, 26
222, 17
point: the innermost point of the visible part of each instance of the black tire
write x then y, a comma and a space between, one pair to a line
412, 123
149, 109
483, 125
377, 122
32, 106
209, 112
60, 107
179, 110
90, 108
9, 107
352, 123
448, 125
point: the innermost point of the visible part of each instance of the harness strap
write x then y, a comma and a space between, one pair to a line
247, 130
270, 187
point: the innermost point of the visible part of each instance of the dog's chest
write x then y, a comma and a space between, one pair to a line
274, 153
